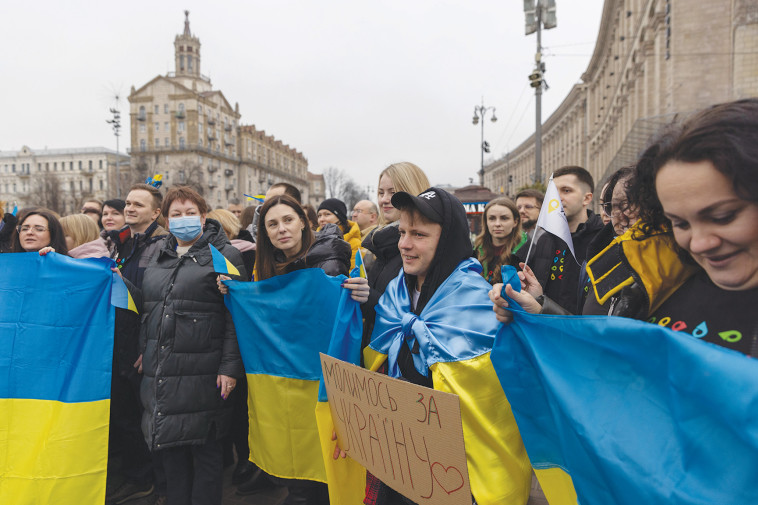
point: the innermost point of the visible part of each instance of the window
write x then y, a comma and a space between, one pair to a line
181, 126
181, 142
101, 184
199, 109
189, 62
167, 142
157, 109
100, 164
71, 165
90, 165
181, 109
13, 168
157, 142
181, 62
200, 128
142, 128
165, 108
157, 127
142, 147
165, 126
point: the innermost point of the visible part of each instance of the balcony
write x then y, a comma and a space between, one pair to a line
228, 141
212, 169
212, 184
228, 172
211, 137
211, 121
229, 187
141, 117
228, 127
180, 114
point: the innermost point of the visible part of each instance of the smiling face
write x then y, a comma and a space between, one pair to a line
500, 223
140, 210
711, 222
417, 244
285, 229
34, 234
112, 218
384, 196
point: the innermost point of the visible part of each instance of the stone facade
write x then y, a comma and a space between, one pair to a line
59, 179
654, 60
316, 190
185, 130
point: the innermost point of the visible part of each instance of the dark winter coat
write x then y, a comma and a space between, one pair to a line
9, 223
556, 270
188, 339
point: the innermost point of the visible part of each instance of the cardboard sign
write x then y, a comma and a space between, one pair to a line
409, 436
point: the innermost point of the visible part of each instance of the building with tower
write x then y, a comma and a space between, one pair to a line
191, 134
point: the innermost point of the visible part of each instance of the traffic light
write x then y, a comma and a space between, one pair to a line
536, 78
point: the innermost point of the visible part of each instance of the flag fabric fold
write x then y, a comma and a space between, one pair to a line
283, 323
221, 264
56, 347
455, 333
614, 410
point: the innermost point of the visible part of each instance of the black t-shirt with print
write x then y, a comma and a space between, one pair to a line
705, 311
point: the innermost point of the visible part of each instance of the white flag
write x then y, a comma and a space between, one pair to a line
552, 218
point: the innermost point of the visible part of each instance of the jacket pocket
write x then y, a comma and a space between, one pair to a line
193, 332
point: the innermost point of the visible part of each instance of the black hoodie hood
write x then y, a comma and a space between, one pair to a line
454, 245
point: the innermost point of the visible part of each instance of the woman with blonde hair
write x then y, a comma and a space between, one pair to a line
501, 238
383, 240
83, 237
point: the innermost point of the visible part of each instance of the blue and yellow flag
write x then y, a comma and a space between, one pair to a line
56, 346
359, 270
257, 198
455, 333
221, 264
614, 410
283, 323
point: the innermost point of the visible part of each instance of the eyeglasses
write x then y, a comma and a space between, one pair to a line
90, 210
26, 228
358, 211
526, 207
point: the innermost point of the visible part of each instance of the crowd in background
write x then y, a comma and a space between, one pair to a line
676, 244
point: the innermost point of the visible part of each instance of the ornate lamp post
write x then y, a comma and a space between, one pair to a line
480, 111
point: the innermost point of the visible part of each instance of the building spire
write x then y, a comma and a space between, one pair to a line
187, 32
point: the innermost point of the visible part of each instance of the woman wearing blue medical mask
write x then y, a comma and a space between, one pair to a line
190, 358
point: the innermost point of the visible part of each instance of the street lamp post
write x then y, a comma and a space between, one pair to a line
480, 111
116, 123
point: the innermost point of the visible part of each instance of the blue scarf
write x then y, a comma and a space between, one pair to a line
458, 322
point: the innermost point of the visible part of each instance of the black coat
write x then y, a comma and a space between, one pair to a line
329, 252
188, 339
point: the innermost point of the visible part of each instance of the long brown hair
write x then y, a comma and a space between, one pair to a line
266, 265
483, 245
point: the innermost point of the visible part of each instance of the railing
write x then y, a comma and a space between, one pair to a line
229, 187
212, 169
228, 172
212, 184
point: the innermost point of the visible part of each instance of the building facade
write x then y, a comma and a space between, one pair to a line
654, 61
185, 130
316, 190
59, 179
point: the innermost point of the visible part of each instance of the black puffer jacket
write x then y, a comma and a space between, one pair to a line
9, 223
382, 242
329, 252
188, 339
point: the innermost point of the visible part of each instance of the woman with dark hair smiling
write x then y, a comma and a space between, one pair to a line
39, 231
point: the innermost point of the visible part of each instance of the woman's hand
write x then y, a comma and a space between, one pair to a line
359, 287
223, 288
46, 250
338, 453
500, 304
138, 364
226, 384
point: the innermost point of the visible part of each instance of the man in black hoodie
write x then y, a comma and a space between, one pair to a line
557, 271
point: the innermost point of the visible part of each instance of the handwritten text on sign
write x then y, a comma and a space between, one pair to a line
409, 436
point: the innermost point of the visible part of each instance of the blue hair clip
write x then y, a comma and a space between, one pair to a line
155, 181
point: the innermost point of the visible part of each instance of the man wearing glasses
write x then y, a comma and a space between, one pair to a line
528, 203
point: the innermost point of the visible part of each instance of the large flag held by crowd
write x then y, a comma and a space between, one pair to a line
627, 412
56, 346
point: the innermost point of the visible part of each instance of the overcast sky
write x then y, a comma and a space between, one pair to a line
353, 85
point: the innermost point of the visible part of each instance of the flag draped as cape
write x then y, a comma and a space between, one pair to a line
455, 333
56, 348
615, 410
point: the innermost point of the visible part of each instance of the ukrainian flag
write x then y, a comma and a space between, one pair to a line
455, 333
614, 410
283, 323
221, 264
56, 346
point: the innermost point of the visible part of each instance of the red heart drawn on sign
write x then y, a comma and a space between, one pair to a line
450, 479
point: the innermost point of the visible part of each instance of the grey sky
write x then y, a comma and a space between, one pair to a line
354, 85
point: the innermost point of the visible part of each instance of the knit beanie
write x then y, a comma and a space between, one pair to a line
336, 207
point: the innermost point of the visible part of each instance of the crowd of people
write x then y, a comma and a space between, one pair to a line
676, 244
